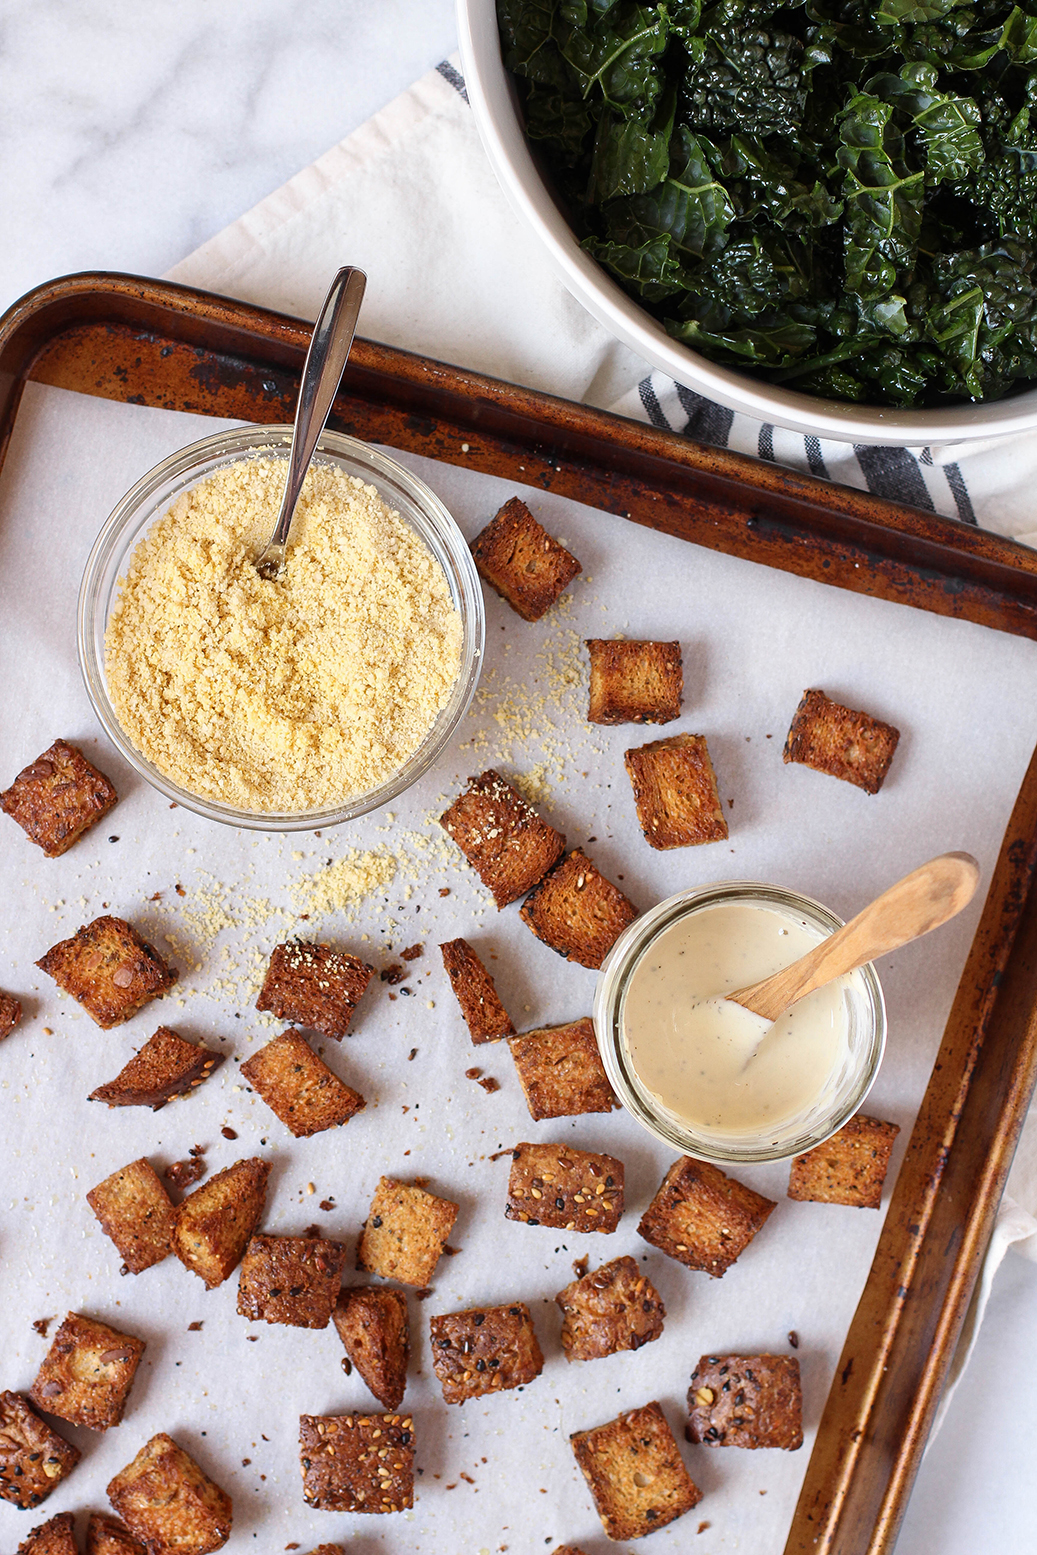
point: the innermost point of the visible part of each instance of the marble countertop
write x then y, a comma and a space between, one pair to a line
129, 135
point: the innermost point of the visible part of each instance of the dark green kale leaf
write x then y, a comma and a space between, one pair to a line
564, 125
530, 48
884, 199
632, 154
771, 342
983, 316
744, 80
946, 126
759, 179
618, 57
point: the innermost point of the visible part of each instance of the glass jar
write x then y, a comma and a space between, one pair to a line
153, 496
842, 1092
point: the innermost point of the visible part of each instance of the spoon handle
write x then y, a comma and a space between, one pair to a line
920, 902
325, 361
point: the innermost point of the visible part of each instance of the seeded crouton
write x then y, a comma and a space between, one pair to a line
484, 1350
561, 1071
168, 1503
215, 1223
520, 561
56, 1537
635, 1473
746, 1401
108, 1536
614, 1308
87, 1373
135, 1211
703, 1218
845, 744
577, 911
11, 1014
314, 986
299, 1087
634, 682
404, 1234
166, 1066
675, 792
372, 1324
572, 1190
502, 837
485, 1016
357, 1463
849, 1168
33, 1458
290, 1279
58, 798
109, 970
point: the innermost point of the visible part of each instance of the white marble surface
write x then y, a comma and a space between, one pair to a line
131, 134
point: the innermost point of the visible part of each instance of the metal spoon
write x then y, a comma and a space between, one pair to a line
325, 361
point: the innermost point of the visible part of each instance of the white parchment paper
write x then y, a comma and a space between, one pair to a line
494, 1475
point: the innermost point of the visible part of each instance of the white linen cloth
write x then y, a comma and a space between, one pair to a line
477, 291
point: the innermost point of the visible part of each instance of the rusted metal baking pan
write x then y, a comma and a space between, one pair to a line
151, 343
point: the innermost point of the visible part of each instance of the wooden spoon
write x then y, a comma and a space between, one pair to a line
921, 901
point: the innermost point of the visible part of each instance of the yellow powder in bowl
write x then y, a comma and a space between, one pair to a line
287, 695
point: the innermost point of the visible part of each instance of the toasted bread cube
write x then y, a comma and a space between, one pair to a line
561, 1071
703, 1218
484, 1350
108, 1536
290, 1279
614, 1308
166, 1066
33, 1458
567, 1549
675, 792
845, 744
572, 1190
746, 1401
372, 1324
634, 682
502, 837
135, 1211
328, 1549
56, 1537
58, 798
404, 1234
314, 986
215, 1223
357, 1463
849, 1168
109, 970
168, 1503
485, 1016
520, 561
87, 1373
635, 1473
577, 911
299, 1087
11, 1014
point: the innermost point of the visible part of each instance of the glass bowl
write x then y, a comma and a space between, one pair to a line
151, 498
866, 1023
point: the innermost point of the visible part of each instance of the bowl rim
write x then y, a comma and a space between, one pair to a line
495, 105
177, 473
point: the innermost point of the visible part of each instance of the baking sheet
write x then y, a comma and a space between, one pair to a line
752, 640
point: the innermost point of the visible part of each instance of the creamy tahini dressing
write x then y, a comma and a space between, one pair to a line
701, 1055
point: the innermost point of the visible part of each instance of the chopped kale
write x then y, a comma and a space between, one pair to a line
836, 194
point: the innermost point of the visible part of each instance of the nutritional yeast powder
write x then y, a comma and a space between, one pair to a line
286, 695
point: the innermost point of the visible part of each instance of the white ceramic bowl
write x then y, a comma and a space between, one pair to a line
495, 104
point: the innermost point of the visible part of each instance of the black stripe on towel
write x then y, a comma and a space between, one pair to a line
893, 473
455, 77
650, 401
959, 491
707, 422
815, 458
765, 442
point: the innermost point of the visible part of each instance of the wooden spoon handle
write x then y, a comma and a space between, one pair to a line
920, 902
